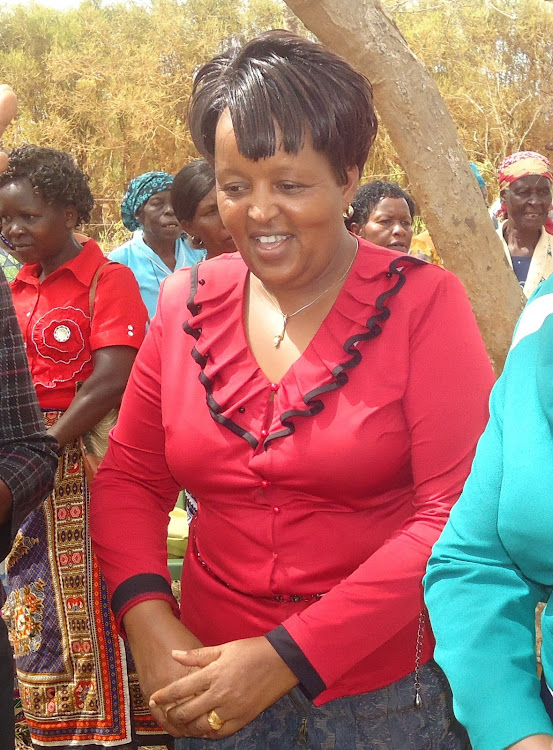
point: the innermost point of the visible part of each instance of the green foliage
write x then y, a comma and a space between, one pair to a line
110, 83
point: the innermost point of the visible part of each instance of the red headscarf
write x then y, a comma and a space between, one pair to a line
523, 164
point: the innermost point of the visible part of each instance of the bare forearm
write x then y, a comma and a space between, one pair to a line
154, 632
88, 407
535, 742
101, 392
5, 503
154, 622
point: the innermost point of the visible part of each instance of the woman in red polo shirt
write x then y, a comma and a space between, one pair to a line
71, 668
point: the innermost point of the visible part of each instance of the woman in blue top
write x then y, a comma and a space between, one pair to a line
157, 247
494, 560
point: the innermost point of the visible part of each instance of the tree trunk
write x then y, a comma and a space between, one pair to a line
425, 138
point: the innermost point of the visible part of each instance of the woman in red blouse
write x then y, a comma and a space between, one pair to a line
322, 398
72, 671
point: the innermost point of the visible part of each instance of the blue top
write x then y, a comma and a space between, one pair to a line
148, 267
521, 266
494, 560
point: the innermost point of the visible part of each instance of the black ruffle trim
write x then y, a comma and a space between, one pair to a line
314, 404
311, 399
201, 359
193, 308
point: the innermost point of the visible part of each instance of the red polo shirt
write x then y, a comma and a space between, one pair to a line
54, 316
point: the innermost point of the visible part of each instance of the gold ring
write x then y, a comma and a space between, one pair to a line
214, 720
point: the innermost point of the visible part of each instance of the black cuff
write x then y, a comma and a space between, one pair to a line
311, 683
143, 583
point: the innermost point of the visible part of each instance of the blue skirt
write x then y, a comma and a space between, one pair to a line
384, 719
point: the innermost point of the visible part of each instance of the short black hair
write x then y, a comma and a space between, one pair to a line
55, 174
301, 85
191, 185
369, 196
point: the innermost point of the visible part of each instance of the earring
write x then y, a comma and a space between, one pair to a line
197, 242
348, 213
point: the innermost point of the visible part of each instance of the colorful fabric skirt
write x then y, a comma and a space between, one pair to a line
76, 682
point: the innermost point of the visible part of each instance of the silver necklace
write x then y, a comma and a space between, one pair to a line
286, 317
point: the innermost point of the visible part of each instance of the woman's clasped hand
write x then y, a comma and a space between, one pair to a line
237, 680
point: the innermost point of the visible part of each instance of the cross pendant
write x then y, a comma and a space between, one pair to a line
280, 336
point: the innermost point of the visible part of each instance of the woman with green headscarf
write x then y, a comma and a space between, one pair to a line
157, 247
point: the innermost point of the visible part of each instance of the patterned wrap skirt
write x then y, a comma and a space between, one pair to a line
77, 683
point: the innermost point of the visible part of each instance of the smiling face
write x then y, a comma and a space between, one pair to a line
158, 218
284, 212
40, 232
389, 225
527, 201
208, 227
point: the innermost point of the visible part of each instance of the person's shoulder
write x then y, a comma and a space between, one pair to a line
186, 255
122, 253
415, 283
537, 313
378, 260
222, 271
117, 291
226, 262
205, 283
546, 287
116, 272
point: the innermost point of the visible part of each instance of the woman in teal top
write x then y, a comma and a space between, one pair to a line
494, 560
157, 247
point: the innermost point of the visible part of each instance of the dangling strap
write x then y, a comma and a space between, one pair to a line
94, 442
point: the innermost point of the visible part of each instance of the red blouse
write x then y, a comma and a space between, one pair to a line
54, 317
320, 496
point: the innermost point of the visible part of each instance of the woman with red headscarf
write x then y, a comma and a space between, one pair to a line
525, 192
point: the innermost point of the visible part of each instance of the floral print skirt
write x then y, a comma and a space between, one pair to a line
75, 681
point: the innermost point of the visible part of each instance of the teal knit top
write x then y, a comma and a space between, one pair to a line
494, 560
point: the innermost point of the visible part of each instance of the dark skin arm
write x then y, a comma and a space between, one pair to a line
101, 392
153, 633
5, 503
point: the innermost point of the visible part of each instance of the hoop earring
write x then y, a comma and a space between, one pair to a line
348, 213
197, 242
